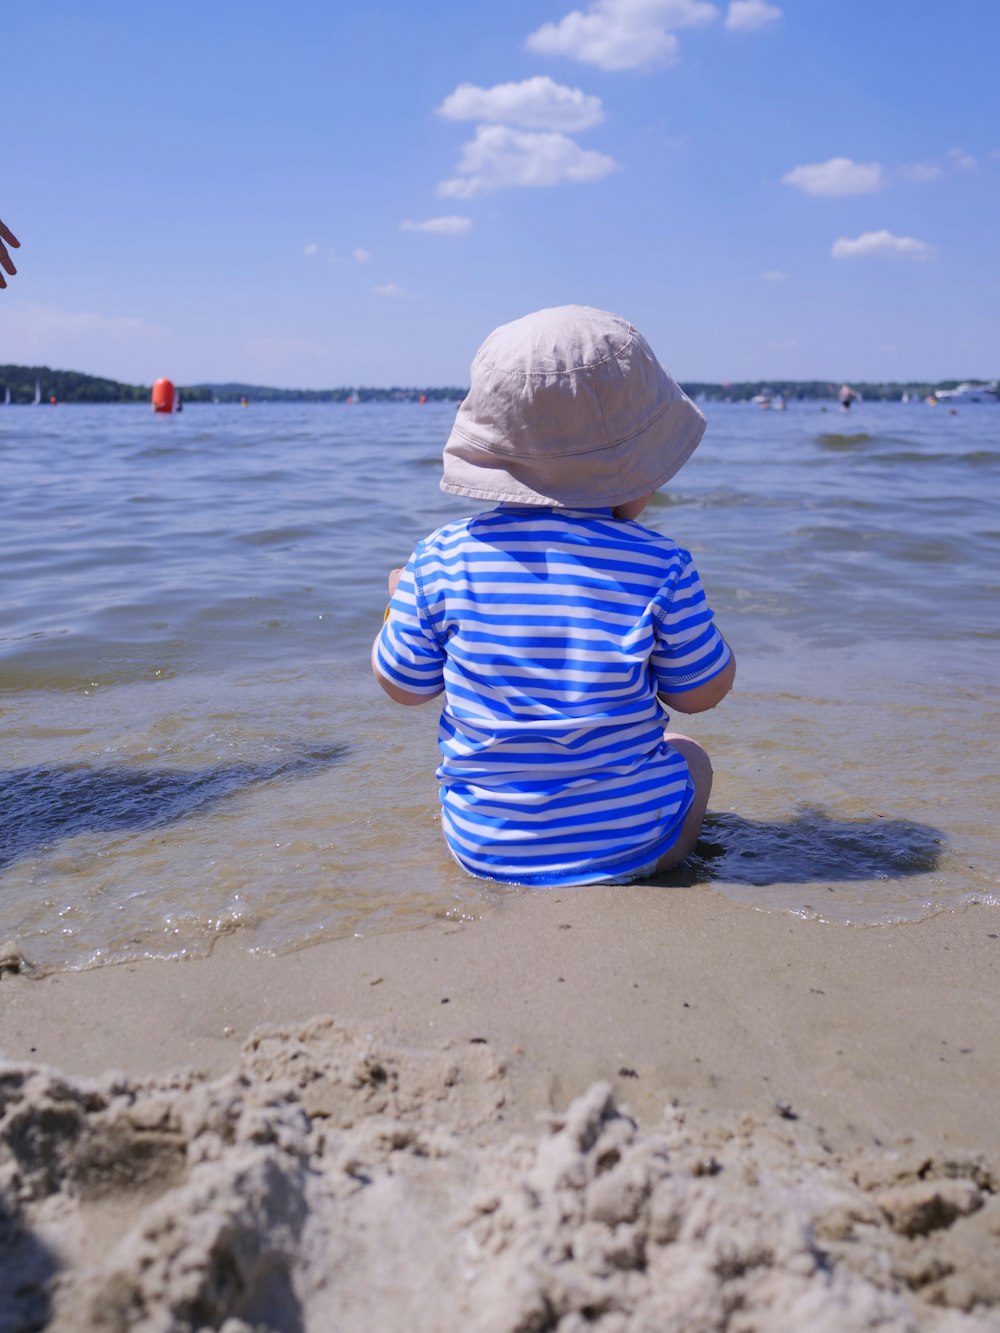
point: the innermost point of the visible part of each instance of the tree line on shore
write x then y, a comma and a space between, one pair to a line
70, 386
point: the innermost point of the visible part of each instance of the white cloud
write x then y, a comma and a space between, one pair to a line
775, 275
448, 226
837, 177
746, 15
962, 160
361, 256
392, 290
499, 157
621, 34
311, 249
956, 159
920, 171
534, 104
880, 244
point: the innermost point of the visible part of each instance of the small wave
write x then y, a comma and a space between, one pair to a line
28, 678
834, 537
888, 545
925, 551
277, 536
835, 441
274, 476
911, 457
721, 497
163, 451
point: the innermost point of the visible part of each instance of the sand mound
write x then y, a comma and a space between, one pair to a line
331, 1183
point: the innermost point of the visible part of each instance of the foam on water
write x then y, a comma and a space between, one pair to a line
193, 746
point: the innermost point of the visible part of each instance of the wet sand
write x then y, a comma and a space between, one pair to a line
630, 1107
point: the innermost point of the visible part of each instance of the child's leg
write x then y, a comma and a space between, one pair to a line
700, 768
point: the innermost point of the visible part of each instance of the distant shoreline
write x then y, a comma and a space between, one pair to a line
71, 386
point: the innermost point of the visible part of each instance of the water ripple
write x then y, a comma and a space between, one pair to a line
192, 741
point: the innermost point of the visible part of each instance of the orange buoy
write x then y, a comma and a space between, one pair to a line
163, 396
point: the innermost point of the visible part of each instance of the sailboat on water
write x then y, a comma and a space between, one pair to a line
6, 397
38, 392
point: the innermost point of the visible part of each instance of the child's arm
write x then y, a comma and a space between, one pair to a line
705, 696
394, 691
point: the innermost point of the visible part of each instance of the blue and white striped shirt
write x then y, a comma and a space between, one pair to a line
551, 632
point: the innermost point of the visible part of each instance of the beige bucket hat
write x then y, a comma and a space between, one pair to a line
568, 407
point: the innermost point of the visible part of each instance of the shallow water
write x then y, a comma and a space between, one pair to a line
192, 743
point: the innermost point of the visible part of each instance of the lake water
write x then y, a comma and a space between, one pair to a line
192, 743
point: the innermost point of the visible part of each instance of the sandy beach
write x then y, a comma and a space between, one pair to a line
634, 1108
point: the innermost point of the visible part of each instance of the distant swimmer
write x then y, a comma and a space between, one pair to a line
847, 397
6, 263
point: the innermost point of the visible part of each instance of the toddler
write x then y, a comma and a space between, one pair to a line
557, 627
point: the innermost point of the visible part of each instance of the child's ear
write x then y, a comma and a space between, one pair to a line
632, 508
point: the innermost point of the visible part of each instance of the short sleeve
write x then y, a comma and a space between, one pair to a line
689, 649
408, 652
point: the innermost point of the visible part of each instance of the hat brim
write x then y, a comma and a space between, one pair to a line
590, 475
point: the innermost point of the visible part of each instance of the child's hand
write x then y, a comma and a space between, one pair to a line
6, 262
394, 576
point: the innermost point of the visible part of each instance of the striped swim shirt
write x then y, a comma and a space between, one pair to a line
551, 631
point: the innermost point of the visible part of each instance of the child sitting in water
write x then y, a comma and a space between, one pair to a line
558, 628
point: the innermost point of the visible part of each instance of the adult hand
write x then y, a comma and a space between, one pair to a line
6, 263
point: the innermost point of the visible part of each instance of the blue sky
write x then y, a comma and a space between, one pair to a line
332, 194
